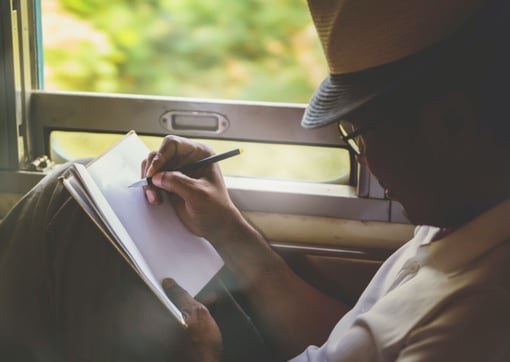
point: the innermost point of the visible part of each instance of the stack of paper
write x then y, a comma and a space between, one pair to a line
150, 237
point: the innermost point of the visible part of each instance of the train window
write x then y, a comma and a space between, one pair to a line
249, 50
254, 51
277, 161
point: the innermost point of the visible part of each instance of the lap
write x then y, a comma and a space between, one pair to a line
66, 293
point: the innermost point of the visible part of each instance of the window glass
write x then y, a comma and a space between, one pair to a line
256, 50
277, 161
248, 50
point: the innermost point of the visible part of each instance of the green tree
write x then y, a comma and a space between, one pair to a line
250, 49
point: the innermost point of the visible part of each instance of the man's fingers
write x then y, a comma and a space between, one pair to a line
177, 295
151, 193
202, 340
176, 182
146, 163
168, 151
156, 164
175, 152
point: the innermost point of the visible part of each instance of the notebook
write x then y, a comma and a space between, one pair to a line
151, 238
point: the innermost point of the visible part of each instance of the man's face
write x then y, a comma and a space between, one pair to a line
399, 149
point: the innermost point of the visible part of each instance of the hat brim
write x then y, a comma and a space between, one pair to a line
340, 94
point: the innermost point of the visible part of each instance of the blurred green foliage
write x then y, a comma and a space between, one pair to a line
249, 50
275, 161
263, 50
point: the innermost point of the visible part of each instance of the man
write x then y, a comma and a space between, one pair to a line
418, 89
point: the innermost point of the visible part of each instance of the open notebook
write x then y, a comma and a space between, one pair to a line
151, 238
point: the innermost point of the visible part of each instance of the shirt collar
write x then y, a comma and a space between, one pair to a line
466, 243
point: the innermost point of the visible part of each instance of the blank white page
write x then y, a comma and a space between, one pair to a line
167, 246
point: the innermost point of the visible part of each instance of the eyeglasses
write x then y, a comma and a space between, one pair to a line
353, 137
397, 109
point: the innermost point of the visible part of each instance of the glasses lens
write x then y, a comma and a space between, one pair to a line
346, 130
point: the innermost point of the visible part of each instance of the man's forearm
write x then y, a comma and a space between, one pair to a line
291, 312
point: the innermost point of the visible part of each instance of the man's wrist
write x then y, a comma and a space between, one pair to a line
245, 250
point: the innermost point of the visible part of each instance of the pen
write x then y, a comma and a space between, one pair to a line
194, 165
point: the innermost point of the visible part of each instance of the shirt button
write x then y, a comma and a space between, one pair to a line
414, 267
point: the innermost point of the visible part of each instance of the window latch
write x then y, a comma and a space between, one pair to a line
41, 164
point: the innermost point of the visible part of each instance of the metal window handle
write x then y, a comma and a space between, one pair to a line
194, 122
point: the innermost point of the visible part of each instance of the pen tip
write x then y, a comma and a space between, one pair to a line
241, 150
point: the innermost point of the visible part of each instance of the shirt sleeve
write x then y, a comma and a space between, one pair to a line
356, 344
311, 354
473, 327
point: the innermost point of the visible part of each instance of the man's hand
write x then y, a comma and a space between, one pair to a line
202, 340
204, 206
200, 197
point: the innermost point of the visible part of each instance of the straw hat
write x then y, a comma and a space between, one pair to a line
372, 46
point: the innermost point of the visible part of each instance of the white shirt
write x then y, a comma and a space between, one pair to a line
442, 300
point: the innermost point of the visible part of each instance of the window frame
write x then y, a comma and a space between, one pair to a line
18, 77
9, 156
33, 113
